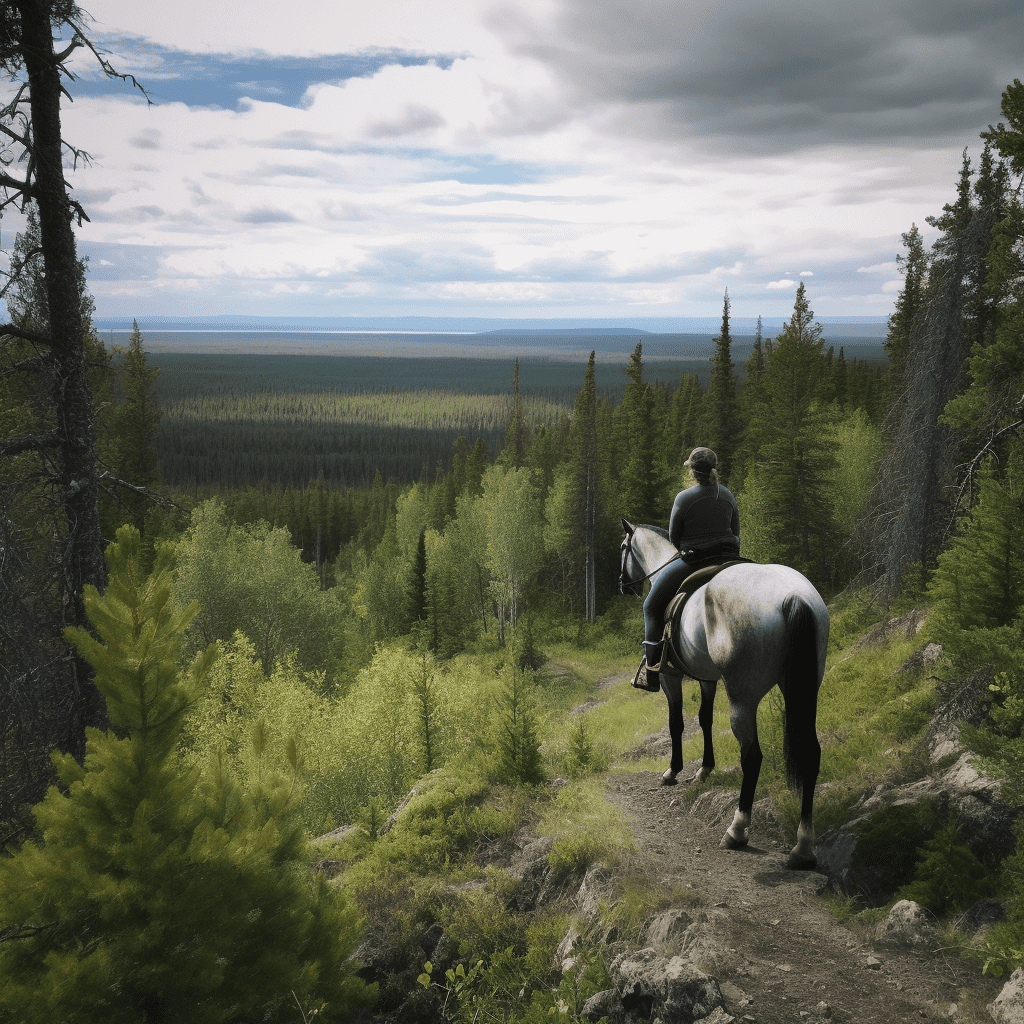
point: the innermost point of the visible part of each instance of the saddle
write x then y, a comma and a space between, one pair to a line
671, 664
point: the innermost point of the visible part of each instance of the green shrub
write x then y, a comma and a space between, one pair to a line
895, 835
158, 894
947, 876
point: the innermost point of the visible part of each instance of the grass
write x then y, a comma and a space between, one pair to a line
870, 721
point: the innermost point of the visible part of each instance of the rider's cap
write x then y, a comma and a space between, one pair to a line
702, 458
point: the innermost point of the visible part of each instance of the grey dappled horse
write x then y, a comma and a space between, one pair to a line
754, 627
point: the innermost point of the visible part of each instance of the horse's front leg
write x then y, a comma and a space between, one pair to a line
672, 687
706, 717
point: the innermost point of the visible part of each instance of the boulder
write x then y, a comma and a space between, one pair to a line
1008, 1006
672, 990
606, 1004
532, 869
922, 660
985, 824
595, 892
909, 925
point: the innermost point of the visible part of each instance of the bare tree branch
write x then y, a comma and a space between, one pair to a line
988, 448
29, 442
25, 335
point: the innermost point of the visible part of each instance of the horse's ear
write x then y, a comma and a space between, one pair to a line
627, 526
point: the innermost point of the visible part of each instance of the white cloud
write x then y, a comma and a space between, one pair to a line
505, 176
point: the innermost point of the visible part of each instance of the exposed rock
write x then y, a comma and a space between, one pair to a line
907, 626
717, 1016
923, 660
532, 869
674, 990
605, 1004
667, 933
595, 891
1008, 1006
909, 925
985, 824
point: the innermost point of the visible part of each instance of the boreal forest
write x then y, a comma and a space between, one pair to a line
211, 669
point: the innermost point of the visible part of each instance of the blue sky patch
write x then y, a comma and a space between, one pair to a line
221, 80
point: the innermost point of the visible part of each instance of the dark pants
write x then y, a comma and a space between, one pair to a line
662, 591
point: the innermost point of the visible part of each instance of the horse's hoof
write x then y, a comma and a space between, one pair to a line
801, 862
731, 843
668, 780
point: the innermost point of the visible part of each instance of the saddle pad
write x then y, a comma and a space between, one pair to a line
687, 588
695, 581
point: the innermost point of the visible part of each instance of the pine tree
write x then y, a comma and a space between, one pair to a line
643, 473
418, 581
796, 453
906, 319
575, 510
135, 421
978, 585
910, 508
519, 757
159, 893
720, 421
513, 454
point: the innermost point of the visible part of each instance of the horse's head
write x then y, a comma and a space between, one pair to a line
631, 572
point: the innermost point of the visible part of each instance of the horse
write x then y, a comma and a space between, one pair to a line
752, 627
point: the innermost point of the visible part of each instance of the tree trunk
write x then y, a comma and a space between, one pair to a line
83, 560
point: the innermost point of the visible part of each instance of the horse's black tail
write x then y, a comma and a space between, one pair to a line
800, 684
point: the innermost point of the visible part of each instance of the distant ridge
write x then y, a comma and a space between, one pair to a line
506, 332
836, 326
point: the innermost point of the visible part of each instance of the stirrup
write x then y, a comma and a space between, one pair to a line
642, 681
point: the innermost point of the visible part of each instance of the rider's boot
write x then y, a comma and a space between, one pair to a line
647, 676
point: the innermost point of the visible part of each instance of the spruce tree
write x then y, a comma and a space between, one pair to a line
583, 487
519, 757
513, 453
643, 473
720, 421
159, 893
796, 453
135, 421
418, 581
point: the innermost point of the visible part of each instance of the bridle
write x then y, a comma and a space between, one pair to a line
635, 587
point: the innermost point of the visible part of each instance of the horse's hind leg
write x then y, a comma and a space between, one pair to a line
744, 727
806, 762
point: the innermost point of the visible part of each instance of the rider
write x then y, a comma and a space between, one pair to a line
705, 527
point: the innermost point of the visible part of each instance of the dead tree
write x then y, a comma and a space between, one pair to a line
65, 476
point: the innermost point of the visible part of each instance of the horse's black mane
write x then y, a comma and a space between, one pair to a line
659, 530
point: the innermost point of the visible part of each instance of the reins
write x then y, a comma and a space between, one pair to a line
628, 546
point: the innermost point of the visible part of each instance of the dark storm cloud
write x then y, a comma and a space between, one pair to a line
773, 77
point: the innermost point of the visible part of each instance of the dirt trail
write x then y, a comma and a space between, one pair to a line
777, 951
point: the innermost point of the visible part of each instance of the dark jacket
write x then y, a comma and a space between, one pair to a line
704, 516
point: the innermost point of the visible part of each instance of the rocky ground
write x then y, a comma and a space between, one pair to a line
776, 950
744, 939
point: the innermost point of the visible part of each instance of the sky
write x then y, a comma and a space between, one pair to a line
547, 158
